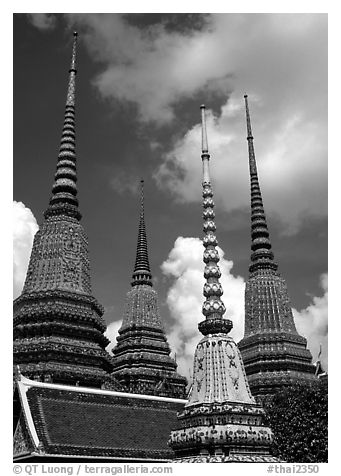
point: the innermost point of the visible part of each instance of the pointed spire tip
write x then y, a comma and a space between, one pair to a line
142, 274
64, 190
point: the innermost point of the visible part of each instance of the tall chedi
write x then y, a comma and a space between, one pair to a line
58, 328
221, 421
142, 361
274, 354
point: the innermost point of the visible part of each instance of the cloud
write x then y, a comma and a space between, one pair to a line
312, 323
152, 66
185, 268
42, 21
111, 333
291, 157
282, 55
279, 59
24, 228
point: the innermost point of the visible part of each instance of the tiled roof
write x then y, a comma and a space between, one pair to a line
84, 422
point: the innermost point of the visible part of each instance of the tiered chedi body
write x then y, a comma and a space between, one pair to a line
58, 328
142, 361
274, 354
221, 421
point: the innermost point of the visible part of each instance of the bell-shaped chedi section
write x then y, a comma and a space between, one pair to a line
274, 354
58, 325
221, 422
142, 361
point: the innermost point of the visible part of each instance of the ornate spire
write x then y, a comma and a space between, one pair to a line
221, 422
213, 308
58, 324
262, 256
142, 274
142, 361
274, 354
64, 190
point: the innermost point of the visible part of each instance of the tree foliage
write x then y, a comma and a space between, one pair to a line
298, 417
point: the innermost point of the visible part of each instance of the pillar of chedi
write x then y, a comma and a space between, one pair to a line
221, 421
142, 361
274, 354
58, 325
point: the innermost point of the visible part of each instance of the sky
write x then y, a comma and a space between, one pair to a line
141, 80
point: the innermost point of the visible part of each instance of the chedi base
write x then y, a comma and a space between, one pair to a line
221, 423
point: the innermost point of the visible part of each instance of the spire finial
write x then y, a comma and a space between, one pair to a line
204, 144
261, 257
213, 307
142, 196
64, 190
142, 274
253, 166
74, 53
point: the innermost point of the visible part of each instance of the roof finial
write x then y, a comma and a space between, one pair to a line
17, 372
261, 256
213, 307
142, 274
64, 190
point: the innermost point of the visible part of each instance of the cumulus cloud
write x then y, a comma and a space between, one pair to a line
279, 59
312, 323
185, 268
43, 21
281, 56
152, 67
24, 228
111, 333
291, 157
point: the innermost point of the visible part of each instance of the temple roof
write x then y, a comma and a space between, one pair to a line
80, 422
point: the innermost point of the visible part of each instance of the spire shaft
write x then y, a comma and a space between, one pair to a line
261, 257
142, 274
252, 157
204, 147
64, 190
213, 307
204, 144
